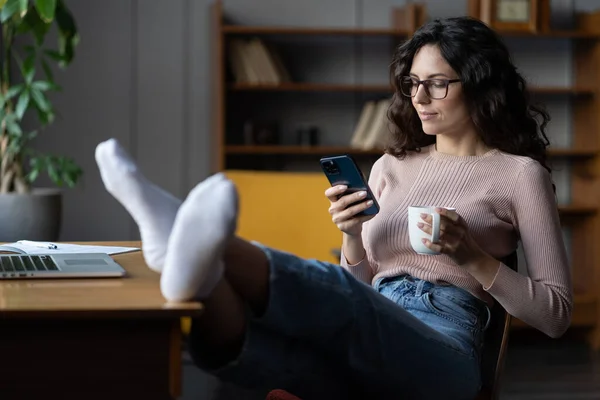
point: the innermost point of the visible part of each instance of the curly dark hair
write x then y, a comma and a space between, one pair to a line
495, 92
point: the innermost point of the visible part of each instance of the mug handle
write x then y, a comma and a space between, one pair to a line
435, 227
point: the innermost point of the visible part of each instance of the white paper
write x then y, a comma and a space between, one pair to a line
42, 248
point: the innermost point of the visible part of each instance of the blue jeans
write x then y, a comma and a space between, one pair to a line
325, 334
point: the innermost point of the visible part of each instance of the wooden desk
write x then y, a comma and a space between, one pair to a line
107, 338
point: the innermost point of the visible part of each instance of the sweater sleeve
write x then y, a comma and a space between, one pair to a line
363, 270
544, 298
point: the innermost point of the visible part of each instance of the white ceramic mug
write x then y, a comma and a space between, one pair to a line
416, 234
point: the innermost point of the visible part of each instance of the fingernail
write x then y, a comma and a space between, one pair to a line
420, 224
423, 215
370, 202
342, 188
362, 194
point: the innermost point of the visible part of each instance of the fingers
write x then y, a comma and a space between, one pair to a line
450, 214
440, 247
333, 193
345, 201
446, 227
350, 212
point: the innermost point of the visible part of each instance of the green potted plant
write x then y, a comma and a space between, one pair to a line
26, 79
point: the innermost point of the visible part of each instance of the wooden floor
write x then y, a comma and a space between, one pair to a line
539, 368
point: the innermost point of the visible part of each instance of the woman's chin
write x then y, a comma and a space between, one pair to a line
429, 131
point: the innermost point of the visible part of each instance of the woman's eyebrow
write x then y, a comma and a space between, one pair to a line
439, 74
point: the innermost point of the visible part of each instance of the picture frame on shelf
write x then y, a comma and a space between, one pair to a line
508, 15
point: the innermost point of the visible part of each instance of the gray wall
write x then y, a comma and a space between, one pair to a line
141, 75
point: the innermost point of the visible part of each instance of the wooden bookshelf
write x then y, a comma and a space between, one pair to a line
286, 30
581, 217
332, 87
328, 150
281, 30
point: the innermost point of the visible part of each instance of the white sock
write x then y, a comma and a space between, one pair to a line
152, 208
205, 222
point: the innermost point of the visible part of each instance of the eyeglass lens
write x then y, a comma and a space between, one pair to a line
434, 88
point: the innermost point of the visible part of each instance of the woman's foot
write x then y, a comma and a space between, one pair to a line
204, 224
152, 208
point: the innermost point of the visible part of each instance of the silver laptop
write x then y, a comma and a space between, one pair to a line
78, 265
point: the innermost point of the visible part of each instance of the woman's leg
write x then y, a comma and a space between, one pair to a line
256, 358
220, 334
381, 347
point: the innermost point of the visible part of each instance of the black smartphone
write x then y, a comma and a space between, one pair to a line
343, 170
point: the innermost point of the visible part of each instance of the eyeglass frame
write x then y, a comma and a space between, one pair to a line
420, 82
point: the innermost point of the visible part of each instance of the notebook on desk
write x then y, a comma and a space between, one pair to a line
79, 265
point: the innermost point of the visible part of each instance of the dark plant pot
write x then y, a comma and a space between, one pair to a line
32, 216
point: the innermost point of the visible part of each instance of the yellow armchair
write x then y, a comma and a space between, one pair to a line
287, 211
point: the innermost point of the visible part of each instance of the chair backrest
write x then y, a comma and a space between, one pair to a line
287, 211
495, 344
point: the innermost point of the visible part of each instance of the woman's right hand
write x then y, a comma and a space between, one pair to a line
343, 213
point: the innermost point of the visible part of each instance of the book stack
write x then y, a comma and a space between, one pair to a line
373, 129
254, 62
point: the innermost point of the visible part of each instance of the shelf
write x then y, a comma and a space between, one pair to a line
554, 34
579, 153
562, 90
281, 30
576, 209
309, 87
341, 87
291, 30
321, 150
299, 150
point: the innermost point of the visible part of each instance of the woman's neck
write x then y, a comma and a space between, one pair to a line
463, 146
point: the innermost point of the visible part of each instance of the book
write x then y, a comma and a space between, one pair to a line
362, 127
32, 247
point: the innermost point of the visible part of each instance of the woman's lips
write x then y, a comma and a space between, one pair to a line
426, 115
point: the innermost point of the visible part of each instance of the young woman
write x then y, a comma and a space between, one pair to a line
388, 322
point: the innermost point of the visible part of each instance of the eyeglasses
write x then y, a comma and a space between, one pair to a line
436, 89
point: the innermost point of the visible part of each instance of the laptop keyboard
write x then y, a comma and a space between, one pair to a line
10, 263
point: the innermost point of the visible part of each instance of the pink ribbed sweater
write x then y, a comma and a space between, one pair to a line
503, 198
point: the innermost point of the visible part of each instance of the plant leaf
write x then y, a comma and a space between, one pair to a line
23, 6
45, 85
45, 117
67, 37
46, 9
40, 100
32, 175
55, 55
53, 174
34, 22
13, 127
47, 71
22, 104
2, 3
29, 69
14, 90
10, 8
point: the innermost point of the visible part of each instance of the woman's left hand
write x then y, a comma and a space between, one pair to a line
455, 238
